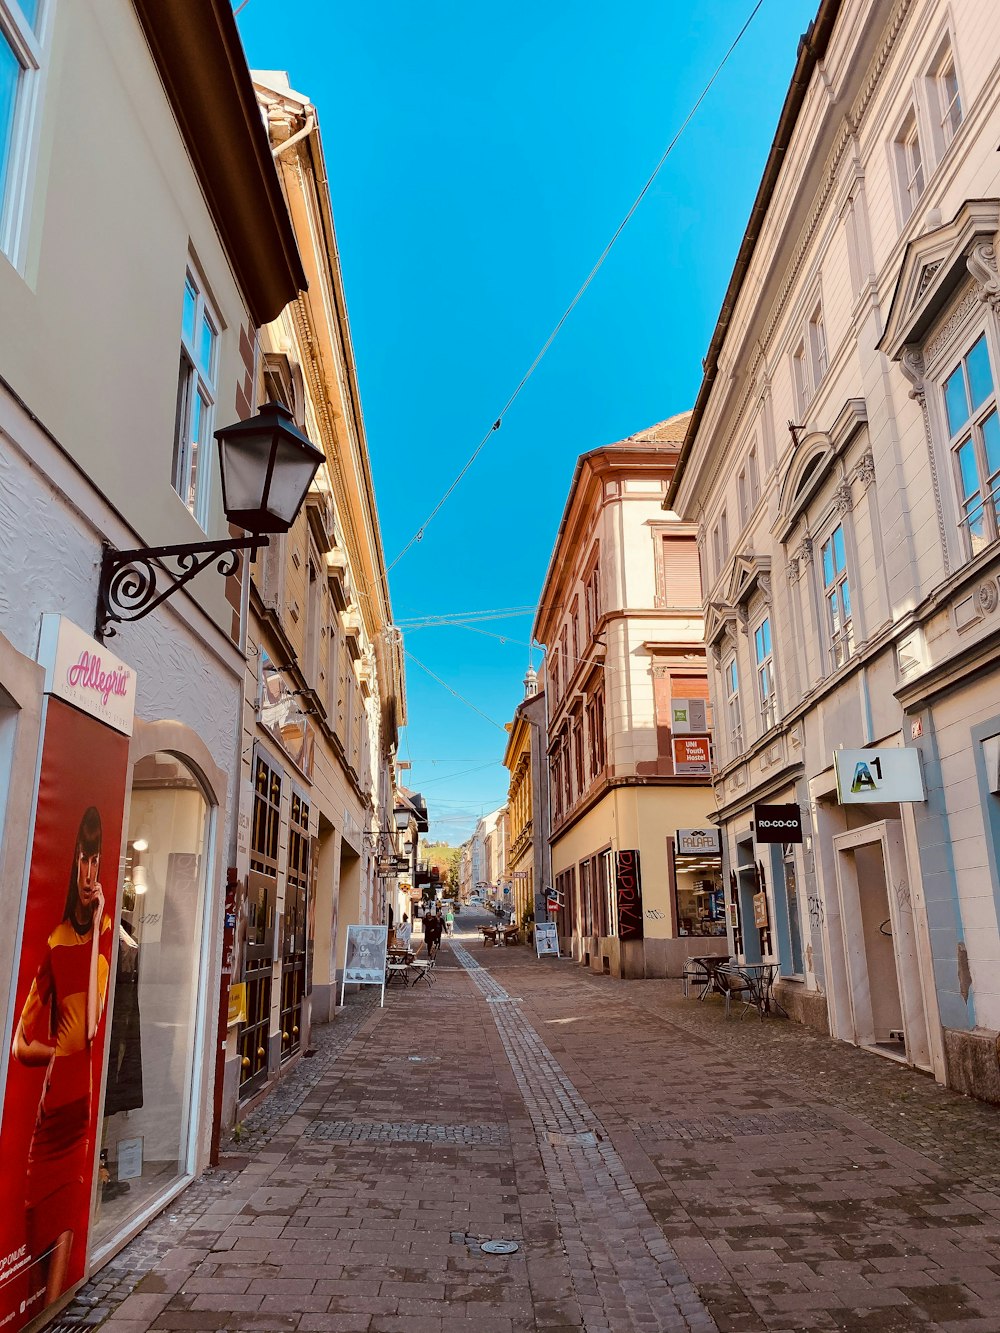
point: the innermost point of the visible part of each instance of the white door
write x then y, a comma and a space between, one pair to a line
876, 914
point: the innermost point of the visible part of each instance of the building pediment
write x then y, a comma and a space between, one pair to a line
750, 573
934, 267
813, 461
722, 621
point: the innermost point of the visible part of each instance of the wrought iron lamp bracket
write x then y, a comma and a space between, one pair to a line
134, 583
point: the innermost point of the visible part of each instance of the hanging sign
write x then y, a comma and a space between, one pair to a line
629, 890
698, 842
83, 672
760, 911
48, 1141
364, 961
864, 776
546, 938
777, 823
688, 715
693, 755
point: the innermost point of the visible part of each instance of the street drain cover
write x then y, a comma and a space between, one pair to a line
499, 1247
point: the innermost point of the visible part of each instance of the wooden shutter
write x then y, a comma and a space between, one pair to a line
681, 574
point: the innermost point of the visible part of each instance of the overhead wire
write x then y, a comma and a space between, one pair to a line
451, 690
418, 536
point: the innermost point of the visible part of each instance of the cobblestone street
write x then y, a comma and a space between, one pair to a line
658, 1167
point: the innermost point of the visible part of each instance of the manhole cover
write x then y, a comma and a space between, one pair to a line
499, 1247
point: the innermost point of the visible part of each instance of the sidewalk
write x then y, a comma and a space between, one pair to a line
658, 1167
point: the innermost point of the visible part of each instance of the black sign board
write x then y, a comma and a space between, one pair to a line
777, 823
629, 889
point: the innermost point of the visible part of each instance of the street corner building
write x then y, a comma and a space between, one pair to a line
151, 282
842, 462
636, 877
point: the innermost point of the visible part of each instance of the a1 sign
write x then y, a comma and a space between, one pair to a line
864, 776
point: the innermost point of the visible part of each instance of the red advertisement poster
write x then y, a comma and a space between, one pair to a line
59, 1020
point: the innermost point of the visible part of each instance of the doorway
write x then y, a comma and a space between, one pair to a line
883, 973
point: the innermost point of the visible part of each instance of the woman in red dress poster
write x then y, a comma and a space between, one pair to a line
57, 1028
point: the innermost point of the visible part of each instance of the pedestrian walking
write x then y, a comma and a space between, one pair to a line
432, 933
449, 919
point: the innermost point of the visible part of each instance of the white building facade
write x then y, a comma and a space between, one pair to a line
843, 463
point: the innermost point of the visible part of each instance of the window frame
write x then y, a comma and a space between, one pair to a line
970, 432
905, 173
196, 382
30, 45
840, 643
944, 127
734, 715
764, 673
720, 542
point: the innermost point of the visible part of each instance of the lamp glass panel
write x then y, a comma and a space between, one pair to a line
245, 471
293, 473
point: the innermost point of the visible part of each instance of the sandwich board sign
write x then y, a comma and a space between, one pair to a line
546, 938
864, 776
364, 961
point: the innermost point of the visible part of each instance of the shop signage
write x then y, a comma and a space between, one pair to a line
698, 842
83, 672
693, 755
629, 890
237, 1003
546, 939
688, 715
364, 962
760, 911
864, 776
388, 866
48, 1140
777, 823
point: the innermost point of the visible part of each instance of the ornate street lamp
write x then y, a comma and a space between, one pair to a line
267, 467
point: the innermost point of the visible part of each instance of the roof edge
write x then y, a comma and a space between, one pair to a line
811, 50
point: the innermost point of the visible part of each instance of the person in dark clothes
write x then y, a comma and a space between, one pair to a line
432, 933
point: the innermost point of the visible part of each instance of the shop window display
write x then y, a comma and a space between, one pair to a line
144, 1146
701, 902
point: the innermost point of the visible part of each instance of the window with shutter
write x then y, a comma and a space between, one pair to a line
681, 572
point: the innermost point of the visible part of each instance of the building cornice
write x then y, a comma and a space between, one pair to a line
199, 56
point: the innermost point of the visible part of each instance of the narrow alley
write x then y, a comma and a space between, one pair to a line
703, 1174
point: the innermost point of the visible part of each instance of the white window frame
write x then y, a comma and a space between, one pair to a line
764, 675
909, 162
801, 379
731, 688
971, 432
30, 47
195, 382
942, 105
819, 357
838, 606
720, 543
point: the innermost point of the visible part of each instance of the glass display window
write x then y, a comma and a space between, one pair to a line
145, 1139
700, 900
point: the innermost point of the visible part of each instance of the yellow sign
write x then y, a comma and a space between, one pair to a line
238, 1003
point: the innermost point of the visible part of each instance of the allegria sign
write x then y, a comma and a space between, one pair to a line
83, 672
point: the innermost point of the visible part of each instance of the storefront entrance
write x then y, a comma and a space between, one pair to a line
145, 1137
886, 999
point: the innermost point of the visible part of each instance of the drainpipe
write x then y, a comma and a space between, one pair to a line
303, 133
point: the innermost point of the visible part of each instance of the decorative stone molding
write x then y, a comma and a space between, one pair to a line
865, 470
793, 570
958, 316
987, 598
764, 584
982, 264
843, 500
911, 363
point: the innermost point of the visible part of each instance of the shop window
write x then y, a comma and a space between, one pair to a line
700, 898
146, 1144
258, 954
295, 915
792, 908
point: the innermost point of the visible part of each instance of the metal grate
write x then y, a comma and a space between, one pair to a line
354, 1131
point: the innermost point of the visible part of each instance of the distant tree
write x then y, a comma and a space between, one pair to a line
444, 859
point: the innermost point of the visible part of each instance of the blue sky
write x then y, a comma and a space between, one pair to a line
479, 159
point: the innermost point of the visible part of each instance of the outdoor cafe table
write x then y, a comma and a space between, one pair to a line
759, 979
711, 964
